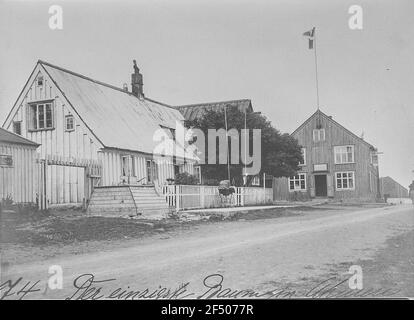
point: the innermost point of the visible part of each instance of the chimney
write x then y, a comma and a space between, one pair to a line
125, 87
136, 82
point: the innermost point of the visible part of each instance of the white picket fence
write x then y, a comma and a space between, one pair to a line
183, 197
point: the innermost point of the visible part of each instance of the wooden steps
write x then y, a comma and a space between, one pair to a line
132, 201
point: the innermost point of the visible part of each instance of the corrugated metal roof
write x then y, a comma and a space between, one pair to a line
116, 117
10, 137
193, 111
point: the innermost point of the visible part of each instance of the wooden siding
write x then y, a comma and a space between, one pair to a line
322, 152
64, 184
19, 181
112, 167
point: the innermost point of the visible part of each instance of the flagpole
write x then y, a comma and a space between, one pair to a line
316, 71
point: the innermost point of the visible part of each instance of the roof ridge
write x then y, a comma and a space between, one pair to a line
336, 122
216, 102
99, 82
83, 76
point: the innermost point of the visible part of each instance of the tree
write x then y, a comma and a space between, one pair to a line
280, 153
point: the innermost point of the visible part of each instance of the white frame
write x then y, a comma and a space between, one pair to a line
317, 133
342, 179
304, 157
31, 106
69, 116
294, 179
256, 181
337, 150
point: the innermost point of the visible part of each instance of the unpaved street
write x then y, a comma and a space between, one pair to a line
259, 255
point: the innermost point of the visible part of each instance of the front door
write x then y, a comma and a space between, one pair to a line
321, 187
152, 172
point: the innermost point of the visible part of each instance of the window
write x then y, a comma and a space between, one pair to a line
170, 132
344, 154
298, 182
256, 181
41, 116
197, 172
40, 81
125, 166
69, 123
374, 158
318, 135
17, 127
345, 180
303, 163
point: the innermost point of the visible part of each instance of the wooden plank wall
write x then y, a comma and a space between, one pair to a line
280, 189
64, 184
20, 181
323, 152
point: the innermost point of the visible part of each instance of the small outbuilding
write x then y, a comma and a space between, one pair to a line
18, 168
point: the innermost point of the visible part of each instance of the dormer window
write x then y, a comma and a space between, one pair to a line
318, 135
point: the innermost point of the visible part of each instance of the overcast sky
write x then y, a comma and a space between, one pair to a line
200, 51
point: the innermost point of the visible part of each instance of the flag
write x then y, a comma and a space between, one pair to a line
310, 34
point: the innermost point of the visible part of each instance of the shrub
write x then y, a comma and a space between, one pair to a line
186, 178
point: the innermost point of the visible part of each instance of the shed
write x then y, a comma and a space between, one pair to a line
18, 168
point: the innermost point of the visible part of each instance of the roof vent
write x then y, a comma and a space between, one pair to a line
125, 87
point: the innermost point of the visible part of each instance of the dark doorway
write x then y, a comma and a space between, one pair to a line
321, 188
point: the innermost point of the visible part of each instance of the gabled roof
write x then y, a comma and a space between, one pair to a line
10, 137
328, 118
116, 117
194, 111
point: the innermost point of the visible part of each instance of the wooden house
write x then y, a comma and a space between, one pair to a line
18, 168
392, 189
336, 163
76, 119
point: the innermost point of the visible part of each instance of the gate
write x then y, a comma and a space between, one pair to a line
67, 181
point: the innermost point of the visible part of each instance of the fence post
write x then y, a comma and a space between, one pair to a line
202, 195
177, 198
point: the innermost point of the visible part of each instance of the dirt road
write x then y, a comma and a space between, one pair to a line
261, 255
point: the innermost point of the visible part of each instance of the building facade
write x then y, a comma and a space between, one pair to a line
392, 189
336, 163
72, 116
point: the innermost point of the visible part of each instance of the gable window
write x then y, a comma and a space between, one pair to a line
40, 81
344, 154
303, 162
69, 123
345, 180
17, 127
318, 135
41, 116
298, 182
